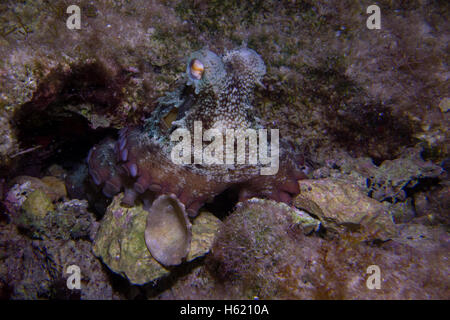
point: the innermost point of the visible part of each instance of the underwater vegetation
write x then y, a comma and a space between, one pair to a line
87, 176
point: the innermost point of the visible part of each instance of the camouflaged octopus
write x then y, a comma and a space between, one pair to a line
218, 91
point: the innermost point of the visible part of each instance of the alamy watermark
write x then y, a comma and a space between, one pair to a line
374, 20
74, 280
74, 20
221, 149
374, 280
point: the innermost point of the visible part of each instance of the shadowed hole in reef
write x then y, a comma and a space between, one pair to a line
48, 132
223, 204
65, 139
55, 139
152, 289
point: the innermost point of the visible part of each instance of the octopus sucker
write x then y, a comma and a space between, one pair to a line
142, 184
129, 196
218, 92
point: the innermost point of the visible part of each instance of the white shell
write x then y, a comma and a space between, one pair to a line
168, 231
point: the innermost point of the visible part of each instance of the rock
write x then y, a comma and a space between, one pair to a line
204, 230
343, 207
57, 187
345, 167
37, 206
258, 253
37, 269
71, 220
53, 187
423, 237
120, 242
121, 245
56, 171
39, 71
388, 181
393, 176
444, 105
402, 211
8, 141
63, 220
432, 206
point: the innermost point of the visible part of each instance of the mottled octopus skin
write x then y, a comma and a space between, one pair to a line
139, 161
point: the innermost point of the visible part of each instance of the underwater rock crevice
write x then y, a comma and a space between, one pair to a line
71, 109
47, 138
90, 82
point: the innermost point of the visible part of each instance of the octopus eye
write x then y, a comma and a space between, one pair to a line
196, 69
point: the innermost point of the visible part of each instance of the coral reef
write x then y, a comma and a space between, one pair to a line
363, 113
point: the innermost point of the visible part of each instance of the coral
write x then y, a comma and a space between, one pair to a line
218, 92
120, 242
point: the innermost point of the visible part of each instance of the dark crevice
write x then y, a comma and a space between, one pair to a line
63, 140
151, 290
224, 203
49, 133
423, 185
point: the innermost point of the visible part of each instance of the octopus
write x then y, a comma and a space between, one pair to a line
219, 92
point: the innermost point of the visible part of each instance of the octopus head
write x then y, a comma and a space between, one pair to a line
223, 87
